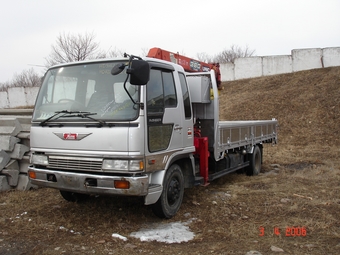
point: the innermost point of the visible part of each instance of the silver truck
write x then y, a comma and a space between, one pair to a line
137, 127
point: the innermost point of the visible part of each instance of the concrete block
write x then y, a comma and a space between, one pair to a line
24, 184
25, 122
306, 59
23, 135
227, 71
12, 164
31, 95
16, 97
24, 138
19, 151
4, 186
7, 142
24, 164
12, 176
277, 65
4, 103
4, 159
248, 67
10, 126
331, 56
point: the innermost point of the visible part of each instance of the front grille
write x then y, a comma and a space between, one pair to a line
75, 163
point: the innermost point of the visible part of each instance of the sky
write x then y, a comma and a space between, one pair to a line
28, 29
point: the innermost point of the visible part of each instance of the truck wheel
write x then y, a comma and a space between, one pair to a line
73, 197
255, 162
173, 189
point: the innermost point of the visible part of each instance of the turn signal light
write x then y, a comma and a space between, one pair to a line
32, 175
121, 184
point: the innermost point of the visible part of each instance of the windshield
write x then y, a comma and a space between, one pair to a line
87, 88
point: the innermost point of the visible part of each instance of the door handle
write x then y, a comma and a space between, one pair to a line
177, 127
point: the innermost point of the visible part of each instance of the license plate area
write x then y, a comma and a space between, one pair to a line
70, 180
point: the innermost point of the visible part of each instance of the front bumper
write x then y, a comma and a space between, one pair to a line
89, 183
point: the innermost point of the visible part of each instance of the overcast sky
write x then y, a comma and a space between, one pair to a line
29, 28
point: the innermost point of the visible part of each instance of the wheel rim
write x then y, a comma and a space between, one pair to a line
174, 190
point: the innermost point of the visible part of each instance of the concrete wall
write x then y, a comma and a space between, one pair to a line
4, 103
272, 65
227, 71
18, 97
330, 57
306, 59
300, 59
247, 67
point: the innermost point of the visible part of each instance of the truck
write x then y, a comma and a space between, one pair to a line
138, 126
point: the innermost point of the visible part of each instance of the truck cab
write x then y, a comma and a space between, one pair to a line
94, 132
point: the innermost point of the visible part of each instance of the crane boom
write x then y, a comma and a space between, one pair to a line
189, 64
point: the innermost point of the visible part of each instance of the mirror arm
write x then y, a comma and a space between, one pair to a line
131, 57
128, 93
128, 71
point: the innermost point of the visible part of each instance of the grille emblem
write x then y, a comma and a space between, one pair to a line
72, 136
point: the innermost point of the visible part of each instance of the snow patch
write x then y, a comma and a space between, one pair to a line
120, 237
175, 232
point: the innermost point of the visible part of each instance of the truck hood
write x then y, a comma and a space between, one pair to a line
105, 140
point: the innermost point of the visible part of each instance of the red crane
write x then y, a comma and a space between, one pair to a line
189, 64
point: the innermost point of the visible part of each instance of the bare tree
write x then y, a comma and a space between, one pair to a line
229, 55
71, 48
204, 57
145, 52
27, 78
4, 86
114, 53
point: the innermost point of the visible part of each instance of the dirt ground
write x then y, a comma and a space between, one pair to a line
292, 207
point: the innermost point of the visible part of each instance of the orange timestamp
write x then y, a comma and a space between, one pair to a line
287, 231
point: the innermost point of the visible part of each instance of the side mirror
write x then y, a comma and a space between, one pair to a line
139, 72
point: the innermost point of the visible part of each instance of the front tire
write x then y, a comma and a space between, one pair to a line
172, 195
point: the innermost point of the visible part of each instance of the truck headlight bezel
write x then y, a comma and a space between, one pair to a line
127, 165
39, 159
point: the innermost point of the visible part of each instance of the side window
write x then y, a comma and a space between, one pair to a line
154, 95
170, 99
186, 98
160, 94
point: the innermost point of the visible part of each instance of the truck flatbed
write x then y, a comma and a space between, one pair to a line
236, 134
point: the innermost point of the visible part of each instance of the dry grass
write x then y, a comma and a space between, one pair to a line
302, 190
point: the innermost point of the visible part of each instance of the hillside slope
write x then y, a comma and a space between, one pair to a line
305, 103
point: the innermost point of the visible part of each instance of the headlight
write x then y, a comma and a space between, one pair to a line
39, 159
122, 165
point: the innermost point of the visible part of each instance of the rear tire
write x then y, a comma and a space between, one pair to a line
172, 195
73, 197
255, 162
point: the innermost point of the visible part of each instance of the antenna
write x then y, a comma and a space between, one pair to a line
36, 65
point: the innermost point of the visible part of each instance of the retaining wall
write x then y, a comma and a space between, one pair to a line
18, 97
300, 59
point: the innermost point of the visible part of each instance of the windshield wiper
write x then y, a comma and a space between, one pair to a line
70, 114
87, 115
43, 123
